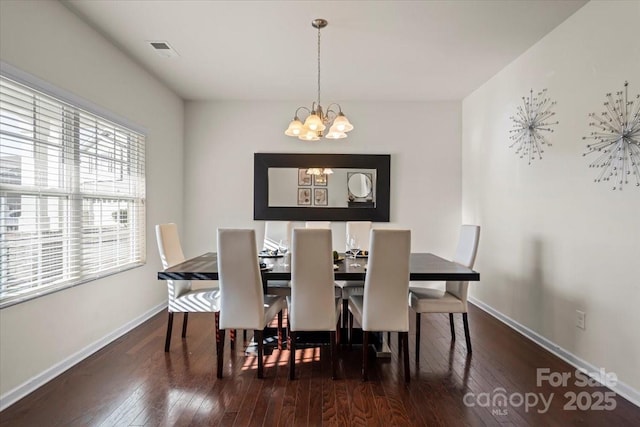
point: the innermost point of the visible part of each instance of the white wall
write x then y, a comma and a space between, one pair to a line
42, 336
422, 138
553, 241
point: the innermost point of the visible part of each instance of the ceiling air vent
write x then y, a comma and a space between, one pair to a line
163, 48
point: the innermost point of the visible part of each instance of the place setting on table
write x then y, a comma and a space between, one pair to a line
280, 251
271, 259
354, 252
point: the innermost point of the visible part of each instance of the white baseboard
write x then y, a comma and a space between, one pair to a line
12, 396
624, 390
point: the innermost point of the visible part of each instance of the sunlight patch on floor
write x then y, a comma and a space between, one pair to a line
281, 358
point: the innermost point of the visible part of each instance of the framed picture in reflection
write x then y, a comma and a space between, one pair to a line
304, 196
320, 196
304, 179
320, 180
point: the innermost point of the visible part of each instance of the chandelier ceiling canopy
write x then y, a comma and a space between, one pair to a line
319, 119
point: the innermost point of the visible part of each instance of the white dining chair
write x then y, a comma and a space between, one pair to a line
318, 224
454, 298
243, 304
360, 230
181, 297
383, 307
313, 305
274, 233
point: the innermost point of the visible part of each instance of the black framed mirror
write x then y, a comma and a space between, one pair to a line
315, 187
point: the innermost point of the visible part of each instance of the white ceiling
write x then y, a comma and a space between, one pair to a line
371, 50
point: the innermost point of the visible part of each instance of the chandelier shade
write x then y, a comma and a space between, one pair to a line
309, 135
335, 133
342, 124
314, 123
318, 119
295, 127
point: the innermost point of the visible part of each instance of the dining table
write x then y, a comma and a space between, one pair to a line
422, 267
277, 267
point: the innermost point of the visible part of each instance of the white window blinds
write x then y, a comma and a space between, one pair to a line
72, 195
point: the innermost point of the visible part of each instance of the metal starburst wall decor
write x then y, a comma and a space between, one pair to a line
617, 139
529, 123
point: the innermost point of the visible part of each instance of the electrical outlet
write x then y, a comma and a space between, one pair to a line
580, 315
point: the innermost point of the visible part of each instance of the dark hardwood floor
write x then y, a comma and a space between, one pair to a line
134, 382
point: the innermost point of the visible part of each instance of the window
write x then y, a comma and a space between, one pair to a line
72, 195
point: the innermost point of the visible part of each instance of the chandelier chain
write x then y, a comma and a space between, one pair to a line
318, 66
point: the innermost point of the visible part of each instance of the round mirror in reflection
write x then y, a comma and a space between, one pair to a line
360, 184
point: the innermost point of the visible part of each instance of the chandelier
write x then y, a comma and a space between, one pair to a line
318, 119
319, 171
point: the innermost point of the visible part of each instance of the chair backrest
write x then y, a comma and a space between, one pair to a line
274, 232
169, 244
318, 224
465, 255
360, 230
241, 294
386, 284
313, 302
171, 254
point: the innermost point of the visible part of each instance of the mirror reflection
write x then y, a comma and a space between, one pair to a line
321, 187
359, 185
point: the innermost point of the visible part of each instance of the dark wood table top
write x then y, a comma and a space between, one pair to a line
423, 267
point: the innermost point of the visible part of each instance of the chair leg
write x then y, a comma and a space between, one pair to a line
365, 354
345, 312
417, 336
232, 339
258, 334
338, 329
244, 336
216, 327
185, 319
334, 355
292, 355
167, 341
466, 331
400, 348
280, 330
453, 329
350, 329
405, 346
220, 351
